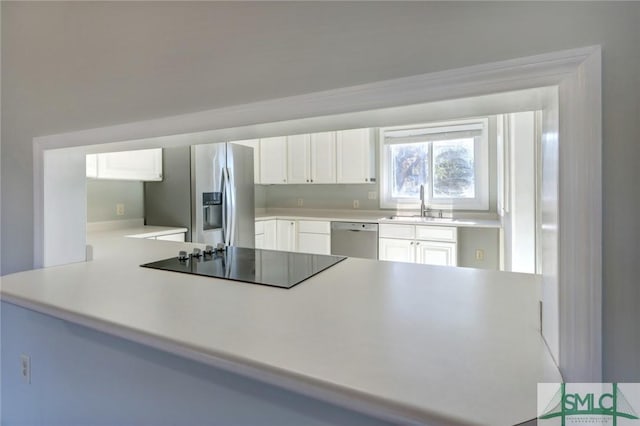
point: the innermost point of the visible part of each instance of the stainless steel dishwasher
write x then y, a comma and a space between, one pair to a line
354, 239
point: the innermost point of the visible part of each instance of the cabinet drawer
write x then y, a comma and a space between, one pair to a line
314, 227
437, 233
259, 227
397, 231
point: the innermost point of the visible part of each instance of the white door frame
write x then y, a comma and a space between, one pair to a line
577, 75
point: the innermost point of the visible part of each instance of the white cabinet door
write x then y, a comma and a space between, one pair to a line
314, 243
145, 165
397, 250
298, 159
92, 166
436, 253
255, 144
259, 241
354, 156
323, 157
270, 234
286, 235
273, 160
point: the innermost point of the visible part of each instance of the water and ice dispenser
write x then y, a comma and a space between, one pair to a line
211, 210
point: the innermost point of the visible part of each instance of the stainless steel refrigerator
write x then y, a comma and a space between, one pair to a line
208, 189
222, 195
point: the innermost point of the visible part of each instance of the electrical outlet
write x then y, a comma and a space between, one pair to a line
479, 254
356, 204
120, 209
300, 202
373, 195
25, 368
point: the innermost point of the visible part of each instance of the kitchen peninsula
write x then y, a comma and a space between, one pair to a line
363, 342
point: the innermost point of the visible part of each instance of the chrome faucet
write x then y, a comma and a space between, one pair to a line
424, 211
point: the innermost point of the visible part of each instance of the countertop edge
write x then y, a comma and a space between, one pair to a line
324, 391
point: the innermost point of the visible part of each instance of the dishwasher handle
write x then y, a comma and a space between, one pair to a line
354, 226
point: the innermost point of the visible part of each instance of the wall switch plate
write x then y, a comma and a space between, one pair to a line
373, 195
356, 204
120, 209
25, 368
300, 202
479, 254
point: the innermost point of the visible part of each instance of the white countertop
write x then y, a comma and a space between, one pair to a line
374, 216
411, 343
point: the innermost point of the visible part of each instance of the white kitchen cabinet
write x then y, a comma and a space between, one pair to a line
311, 158
273, 160
92, 166
436, 253
266, 234
355, 156
142, 165
259, 241
314, 236
397, 250
255, 144
432, 245
286, 235
323, 157
299, 159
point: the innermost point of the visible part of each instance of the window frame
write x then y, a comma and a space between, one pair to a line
481, 170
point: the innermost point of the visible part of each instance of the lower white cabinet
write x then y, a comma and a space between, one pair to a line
431, 245
314, 237
436, 253
304, 236
397, 250
266, 234
285, 235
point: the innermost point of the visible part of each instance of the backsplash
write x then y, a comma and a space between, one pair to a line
330, 196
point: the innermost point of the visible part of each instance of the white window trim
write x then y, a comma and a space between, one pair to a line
481, 166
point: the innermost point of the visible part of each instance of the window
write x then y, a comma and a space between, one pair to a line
449, 159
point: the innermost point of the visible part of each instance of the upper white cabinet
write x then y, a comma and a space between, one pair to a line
143, 165
355, 156
255, 144
311, 158
299, 159
323, 157
273, 160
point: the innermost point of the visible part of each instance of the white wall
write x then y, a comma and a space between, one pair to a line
70, 66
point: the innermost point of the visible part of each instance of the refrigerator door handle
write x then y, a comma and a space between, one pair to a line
231, 222
225, 219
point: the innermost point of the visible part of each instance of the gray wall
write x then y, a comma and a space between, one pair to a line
321, 196
472, 239
168, 203
103, 195
73, 66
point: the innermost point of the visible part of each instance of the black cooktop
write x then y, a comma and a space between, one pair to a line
267, 267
